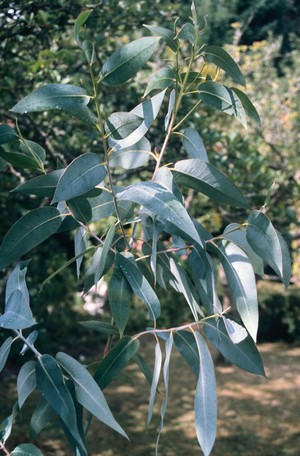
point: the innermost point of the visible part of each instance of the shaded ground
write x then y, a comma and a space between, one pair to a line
257, 416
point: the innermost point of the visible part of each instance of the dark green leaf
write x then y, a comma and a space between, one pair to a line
4, 352
115, 361
126, 61
161, 80
172, 99
28, 232
186, 346
143, 366
104, 252
219, 57
26, 382
88, 392
43, 186
26, 449
265, 241
102, 206
155, 380
166, 34
248, 106
7, 134
139, 284
119, 295
193, 144
34, 150
12, 154
90, 274
17, 313
207, 179
244, 354
42, 414
201, 269
81, 176
206, 398
101, 327
131, 157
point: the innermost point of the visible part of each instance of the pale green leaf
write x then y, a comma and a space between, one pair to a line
119, 125
155, 380
16, 281
166, 34
4, 351
119, 296
17, 314
187, 33
26, 449
104, 252
26, 382
161, 80
131, 157
29, 341
248, 106
219, 57
193, 144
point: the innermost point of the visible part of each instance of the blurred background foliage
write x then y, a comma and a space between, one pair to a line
37, 46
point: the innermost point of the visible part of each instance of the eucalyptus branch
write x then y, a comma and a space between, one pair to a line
29, 345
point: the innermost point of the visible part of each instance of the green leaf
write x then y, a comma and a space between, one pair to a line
80, 246
207, 179
26, 449
34, 150
6, 425
80, 21
131, 157
248, 106
30, 340
90, 274
88, 392
16, 281
4, 351
206, 398
172, 99
119, 125
126, 61
163, 204
17, 314
144, 368
165, 178
242, 284
155, 380
186, 346
7, 134
12, 154
187, 33
220, 97
244, 354
89, 51
104, 252
201, 269
81, 176
193, 144
53, 96
51, 384
161, 80
28, 232
166, 34
42, 414
265, 241
43, 186
219, 57
119, 296
26, 382
139, 284
100, 326
116, 360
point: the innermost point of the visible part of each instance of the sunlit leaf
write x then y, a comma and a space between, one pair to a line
155, 380
248, 106
4, 352
131, 157
166, 34
162, 79
193, 144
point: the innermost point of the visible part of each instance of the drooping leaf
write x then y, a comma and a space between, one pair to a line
119, 295
172, 99
81, 176
206, 398
90, 274
26, 449
161, 80
166, 34
80, 21
7, 134
163, 204
131, 157
265, 241
88, 392
104, 252
207, 179
26, 382
244, 354
143, 366
51, 384
115, 361
28, 232
248, 106
186, 346
43, 186
139, 284
100, 326
193, 144
220, 97
200, 267
17, 314
4, 352
102, 206
126, 61
219, 57
42, 414
80, 246
155, 380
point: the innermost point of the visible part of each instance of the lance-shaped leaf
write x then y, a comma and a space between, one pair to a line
13, 154
187, 347
163, 204
131, 157
90, 274
51, 384
147, 111
172, 99
165, 177
200, 267
80, 21
219, 57
42, 414
6, 425
139, 284
26, 449
119, 125
17, 314
16, 281
119, 295
116, 360
237, 234
193, 144
7, 134
155, 380
28, 232
162, 79
126, 61
248, 106
206, 398
81, 176
207, 179
169, 345
166, 34
29, 341
100, 326
4, 351
220, 97
43, 186
80, 246
104, 252
88, 392
187, 33
269, 245
143, 366
242, 284
26, 382
243, 354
